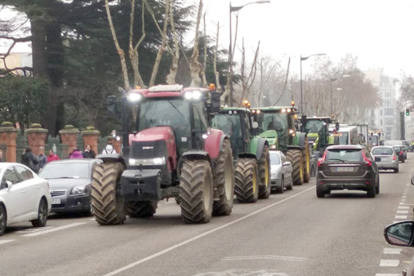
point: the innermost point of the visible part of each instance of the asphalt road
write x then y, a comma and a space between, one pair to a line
293, 233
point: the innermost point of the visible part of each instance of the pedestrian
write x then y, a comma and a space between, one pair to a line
30, 160
109, 149
42, 158
89, 153
1, 156
76, 154
52, 156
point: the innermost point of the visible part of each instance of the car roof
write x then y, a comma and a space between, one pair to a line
345, 147
6, 164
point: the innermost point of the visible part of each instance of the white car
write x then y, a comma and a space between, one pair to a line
24, 196
280, 171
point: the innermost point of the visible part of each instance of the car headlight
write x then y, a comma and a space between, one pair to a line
147, 162
78, 190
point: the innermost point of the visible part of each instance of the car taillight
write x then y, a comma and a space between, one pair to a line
366, 160
320, 162
393, 158
401, 153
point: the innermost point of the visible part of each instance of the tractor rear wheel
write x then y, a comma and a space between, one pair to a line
141, 209
224, 181
295, 157
264, 173
108, 208
306, 162
246, 180
196, 191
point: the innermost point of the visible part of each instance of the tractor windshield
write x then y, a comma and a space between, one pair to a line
313, 126
230, 124
274, 121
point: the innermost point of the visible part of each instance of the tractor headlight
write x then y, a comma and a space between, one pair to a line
134, 97
147, 162
273, 147
193, 95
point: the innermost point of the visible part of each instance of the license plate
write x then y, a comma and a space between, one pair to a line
56, 201
344, 169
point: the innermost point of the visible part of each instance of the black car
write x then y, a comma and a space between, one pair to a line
399, 150
349, 167
70, 184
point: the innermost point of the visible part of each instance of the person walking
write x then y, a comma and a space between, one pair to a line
76, 154
52, 156
88, 153
42, 158
30, 160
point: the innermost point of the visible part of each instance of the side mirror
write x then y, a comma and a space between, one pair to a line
400, 233
286, 164
9, 184
377, 159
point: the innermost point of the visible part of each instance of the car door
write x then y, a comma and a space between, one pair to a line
31, 186
287, 169
13, 197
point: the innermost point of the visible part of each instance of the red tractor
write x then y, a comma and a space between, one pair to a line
169, 151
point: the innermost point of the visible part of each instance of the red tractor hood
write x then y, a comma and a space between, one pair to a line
153, 134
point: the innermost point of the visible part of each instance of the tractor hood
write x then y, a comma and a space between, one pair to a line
153, 134
270, 136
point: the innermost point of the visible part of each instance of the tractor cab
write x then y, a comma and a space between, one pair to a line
317, 130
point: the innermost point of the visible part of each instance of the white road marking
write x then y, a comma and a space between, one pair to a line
402, 212
390, 263
401, 217
392, 250
162, 252
245, 272
403, 207
55, 229
33, 230
382, 274
265, 257
6, 241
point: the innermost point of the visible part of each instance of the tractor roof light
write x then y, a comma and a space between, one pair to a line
289, 110
195, 95
245, 102
134, 97
296, 116
258, 111
283, 110
292, 103
291, 131
253, 111
212, 87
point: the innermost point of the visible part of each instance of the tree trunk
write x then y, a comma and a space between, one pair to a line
39, 48
195, 65
170, 79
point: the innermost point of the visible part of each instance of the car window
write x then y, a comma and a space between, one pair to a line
274, 159
382, 151
23, 173
10, 175
55, 170
352, 155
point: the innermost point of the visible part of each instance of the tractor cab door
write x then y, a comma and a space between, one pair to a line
199, 125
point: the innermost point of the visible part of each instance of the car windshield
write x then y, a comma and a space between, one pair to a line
65, 170
274, 159
348, 155
382, 151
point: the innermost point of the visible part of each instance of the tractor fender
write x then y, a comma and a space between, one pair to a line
256, 146
214, 143
112, 158
301, 136
193, 155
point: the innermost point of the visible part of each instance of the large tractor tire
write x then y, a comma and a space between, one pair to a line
306, 162
141, 209
246, 181
295, 157
108, 208
264, 173
196, 191
224, 181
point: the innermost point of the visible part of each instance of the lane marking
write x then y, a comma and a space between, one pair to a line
265, 257
382, 274
390, 263
401, 217
403, 207
55, 229
6, 241
33, 230
162, 252
392, 250
402, 212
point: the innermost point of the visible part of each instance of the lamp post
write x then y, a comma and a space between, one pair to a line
332, 80
301, 92
230, 70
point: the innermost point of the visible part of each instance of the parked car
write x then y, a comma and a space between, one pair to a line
348, 167
70, 184
24, 196
281, 172
386, 157
401, 143
399, 151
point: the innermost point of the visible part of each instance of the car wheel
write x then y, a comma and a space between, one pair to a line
396, 170
403, 160
319, 192
290, 187
282, 187
377, 188
3, 220
41, 214
371, 192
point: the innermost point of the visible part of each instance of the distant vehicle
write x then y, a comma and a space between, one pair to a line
70, 184
387, 158
399, 150
24, 196
281, 172
349, 167
348, 135
399, 143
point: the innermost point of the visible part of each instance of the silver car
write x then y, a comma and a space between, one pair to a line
281, 172
387, 156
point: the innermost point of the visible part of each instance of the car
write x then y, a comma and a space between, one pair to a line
387, 158
348, 167
70, 184
401, 143
399, 151
281, 172
24, 196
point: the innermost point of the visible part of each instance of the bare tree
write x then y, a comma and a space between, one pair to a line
216, 74
203, 72
248, 78
195, 66
170, 79
133, 51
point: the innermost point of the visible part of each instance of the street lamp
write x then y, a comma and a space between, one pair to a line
332, 80
230, 77
301, 92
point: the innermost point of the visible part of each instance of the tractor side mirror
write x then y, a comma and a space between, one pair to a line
337, 126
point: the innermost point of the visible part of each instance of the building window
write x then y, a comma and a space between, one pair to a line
389, 111
380, 112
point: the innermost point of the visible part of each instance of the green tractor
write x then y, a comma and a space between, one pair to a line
251, 153
278, 126
317, 130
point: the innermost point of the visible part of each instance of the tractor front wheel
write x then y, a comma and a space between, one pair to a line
108, 208
295, 157
264, 173
246, 180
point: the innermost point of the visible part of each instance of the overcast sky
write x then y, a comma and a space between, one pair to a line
379, 32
